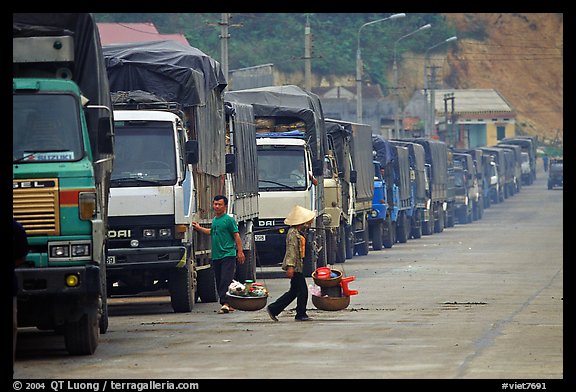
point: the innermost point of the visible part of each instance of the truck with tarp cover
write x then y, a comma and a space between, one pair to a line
63, 151
394, 161
291, 144
360, 143
176, 151
420, 218
528, 145
339, 177
441, 185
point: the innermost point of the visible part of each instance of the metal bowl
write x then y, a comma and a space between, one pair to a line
330, 303
246, 303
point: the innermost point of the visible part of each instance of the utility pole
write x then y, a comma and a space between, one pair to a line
307, 56
432, 108
224, 37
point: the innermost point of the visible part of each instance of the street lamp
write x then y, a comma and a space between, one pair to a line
429, 108
359, 65
395, 68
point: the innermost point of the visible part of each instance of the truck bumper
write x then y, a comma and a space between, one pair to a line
46, 281
155, 257
271, 248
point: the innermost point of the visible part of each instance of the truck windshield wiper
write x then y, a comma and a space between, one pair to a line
135, 179
278, 183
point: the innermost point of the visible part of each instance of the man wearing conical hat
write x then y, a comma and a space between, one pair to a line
299, 219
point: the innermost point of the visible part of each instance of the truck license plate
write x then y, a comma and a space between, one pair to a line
260, 237
110, 259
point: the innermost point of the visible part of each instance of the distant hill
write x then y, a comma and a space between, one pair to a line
520, 55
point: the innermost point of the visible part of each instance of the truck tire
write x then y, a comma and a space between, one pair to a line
81, 337
181, 288
416, 228
103, 317
389, 235
332, 248
439, 223
341, 247
428, 226
363, 248
403, 228
376, 235
247, 270
349, 234
206, 291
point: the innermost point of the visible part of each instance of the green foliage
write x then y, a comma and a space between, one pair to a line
278, 38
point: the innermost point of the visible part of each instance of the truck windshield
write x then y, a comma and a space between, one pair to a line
281, 169
144, 154
45, 127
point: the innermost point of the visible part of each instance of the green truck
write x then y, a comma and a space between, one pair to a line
62, 160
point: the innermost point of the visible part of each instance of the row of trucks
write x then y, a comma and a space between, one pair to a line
116, 151
178, 144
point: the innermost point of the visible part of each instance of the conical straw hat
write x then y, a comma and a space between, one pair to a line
299, 215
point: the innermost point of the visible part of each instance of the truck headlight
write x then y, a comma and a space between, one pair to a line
69, 250
163, 233
373, 213
326, 219
149, 233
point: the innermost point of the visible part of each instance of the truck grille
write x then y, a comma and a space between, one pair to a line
35, 205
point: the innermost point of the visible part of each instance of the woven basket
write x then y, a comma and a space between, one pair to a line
330, 303
246, 303
332, 282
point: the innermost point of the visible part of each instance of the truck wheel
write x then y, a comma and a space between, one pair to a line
439, 223
207, 291
416, 228
341, 246
103, 319
81, 337
376, 235
247, 270
389, 233
309, 263
402, 228
331, 248
181, 288
349, 234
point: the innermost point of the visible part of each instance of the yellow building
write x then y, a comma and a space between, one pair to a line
470, 118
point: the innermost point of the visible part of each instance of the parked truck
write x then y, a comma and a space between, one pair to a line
528, 145
360, 142
394, 160
468, 197
497, 155
339, 177
419, 190
442, 197
176, 151
62, 150
291, 144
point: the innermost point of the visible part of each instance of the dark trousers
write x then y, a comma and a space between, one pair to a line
298, 290
224, 270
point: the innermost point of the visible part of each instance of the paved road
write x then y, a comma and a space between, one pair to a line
478, 301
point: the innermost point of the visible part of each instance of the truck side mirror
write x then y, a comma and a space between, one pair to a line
191, 152
105, 136
230, 160
353, 176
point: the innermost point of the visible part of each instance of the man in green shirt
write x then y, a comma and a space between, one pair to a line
226, 248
